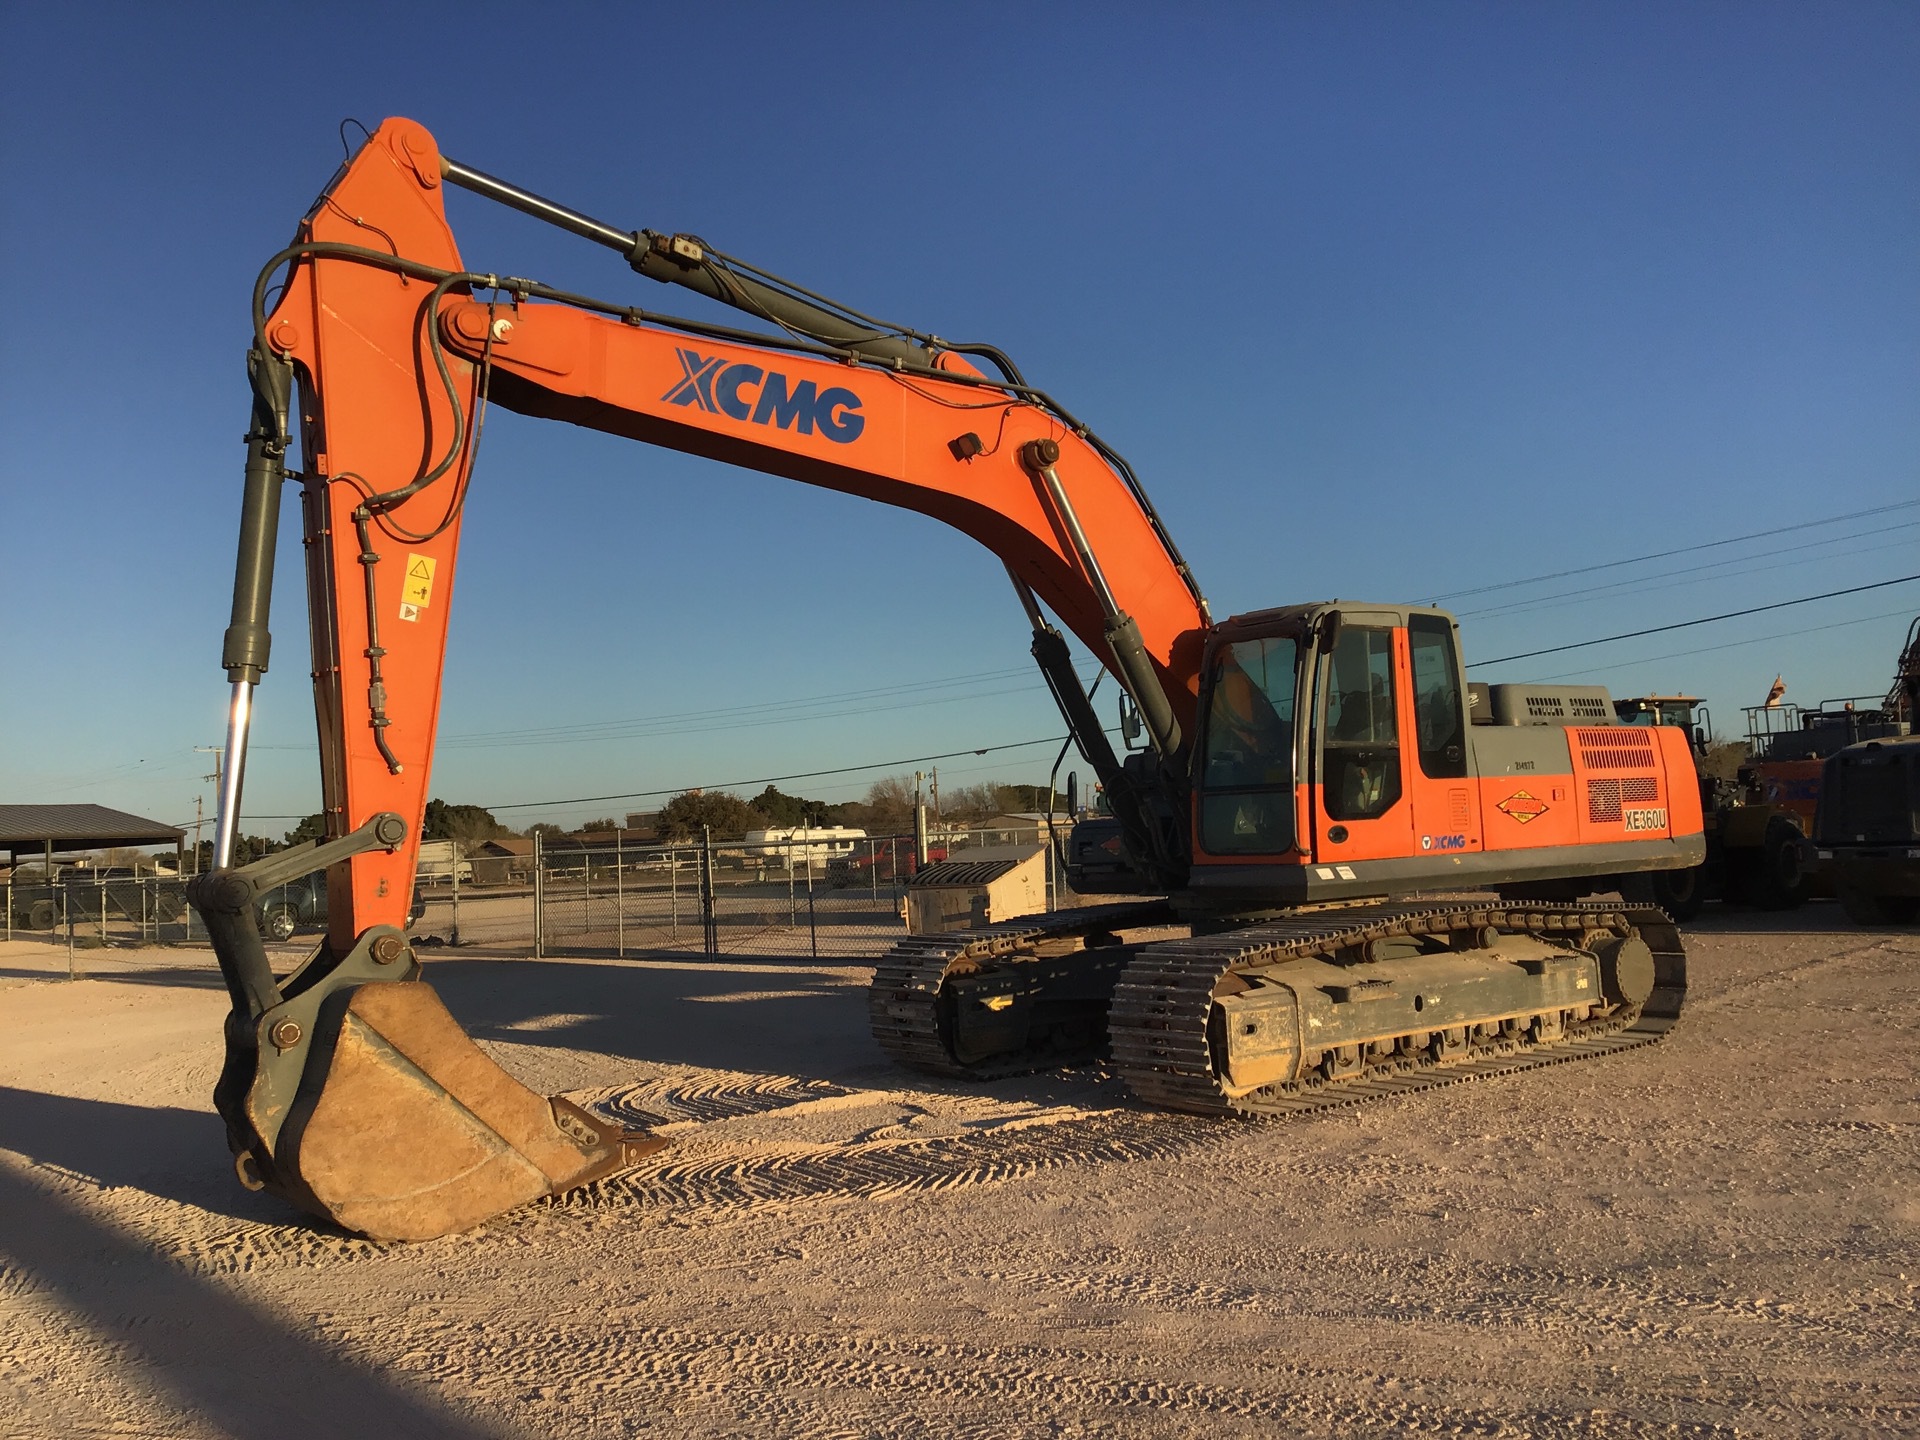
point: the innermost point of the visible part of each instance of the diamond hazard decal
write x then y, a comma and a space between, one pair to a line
1522, 806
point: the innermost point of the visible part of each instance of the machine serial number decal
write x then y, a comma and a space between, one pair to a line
1523, 806
1652, 819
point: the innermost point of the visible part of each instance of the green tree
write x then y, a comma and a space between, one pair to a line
314, 827
783, 810
246, 850
595, 827
467, 825
727, 816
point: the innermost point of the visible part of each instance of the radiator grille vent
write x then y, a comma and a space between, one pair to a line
1577, 708
1607, 799
1617, 747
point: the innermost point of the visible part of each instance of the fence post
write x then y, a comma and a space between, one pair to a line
813, 930
793, 911
9, 909
454, 937
673, 888
586, 890
103, 914
709, 918
66, 913
539, 897
619, 898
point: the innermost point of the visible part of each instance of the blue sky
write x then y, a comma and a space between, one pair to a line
1382, 301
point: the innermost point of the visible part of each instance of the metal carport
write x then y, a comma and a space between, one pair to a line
69, 829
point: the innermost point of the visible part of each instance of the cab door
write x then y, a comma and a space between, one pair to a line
1446, 814
1361, 807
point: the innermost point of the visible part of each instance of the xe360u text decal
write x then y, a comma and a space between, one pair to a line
763, 397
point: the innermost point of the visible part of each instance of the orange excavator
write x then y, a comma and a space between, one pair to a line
1310, 784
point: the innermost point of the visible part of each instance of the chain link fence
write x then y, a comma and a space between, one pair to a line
85, 909
841, 899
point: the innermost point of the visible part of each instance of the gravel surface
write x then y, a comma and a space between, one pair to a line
1715, 1235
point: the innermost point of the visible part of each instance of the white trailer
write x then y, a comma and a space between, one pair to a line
802, 844
437, 861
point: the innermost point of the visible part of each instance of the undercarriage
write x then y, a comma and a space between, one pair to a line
1325, 1007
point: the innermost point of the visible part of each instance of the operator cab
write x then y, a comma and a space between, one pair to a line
1342, 754
1321, 726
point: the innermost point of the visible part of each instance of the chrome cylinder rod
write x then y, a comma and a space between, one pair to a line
1043, 467
226, 824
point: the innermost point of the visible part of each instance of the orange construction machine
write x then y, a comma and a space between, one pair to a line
1309, 776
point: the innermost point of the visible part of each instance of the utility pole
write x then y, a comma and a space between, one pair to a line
217, 751
919, 824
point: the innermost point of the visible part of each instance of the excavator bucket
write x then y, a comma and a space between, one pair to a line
403, 1130
351, 1091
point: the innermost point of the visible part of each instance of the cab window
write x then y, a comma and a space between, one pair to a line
1437, 711
1360, 778
1246, 777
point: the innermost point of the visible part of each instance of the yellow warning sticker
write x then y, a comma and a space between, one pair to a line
417, 588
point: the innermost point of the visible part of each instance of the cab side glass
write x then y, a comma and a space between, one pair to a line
1438, 715
1360, 777
1246, 775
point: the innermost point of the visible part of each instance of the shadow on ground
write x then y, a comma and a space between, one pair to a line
237, 1367
797, 1019
171, 1153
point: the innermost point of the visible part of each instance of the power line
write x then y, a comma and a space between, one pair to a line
1559, 599
1728, 645
776, 779
757, 722
757, 715
1686, 624
738, 784
1683, 550
587, 727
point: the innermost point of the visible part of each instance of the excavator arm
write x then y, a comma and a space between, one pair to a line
348, 1088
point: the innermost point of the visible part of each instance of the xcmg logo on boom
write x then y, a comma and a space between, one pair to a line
762, 397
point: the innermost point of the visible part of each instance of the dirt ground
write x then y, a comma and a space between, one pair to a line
1716, 1235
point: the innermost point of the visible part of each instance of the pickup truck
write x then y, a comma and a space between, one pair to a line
302, 905
883, 860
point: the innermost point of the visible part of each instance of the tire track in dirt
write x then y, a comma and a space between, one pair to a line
654, 1103
812, 1386
765, 1177
709, 1173
1740, 991
1448, 1290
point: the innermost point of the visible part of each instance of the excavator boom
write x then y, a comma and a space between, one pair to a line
381, 354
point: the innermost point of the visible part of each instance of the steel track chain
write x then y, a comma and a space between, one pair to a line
1159, 1020
903, 1002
